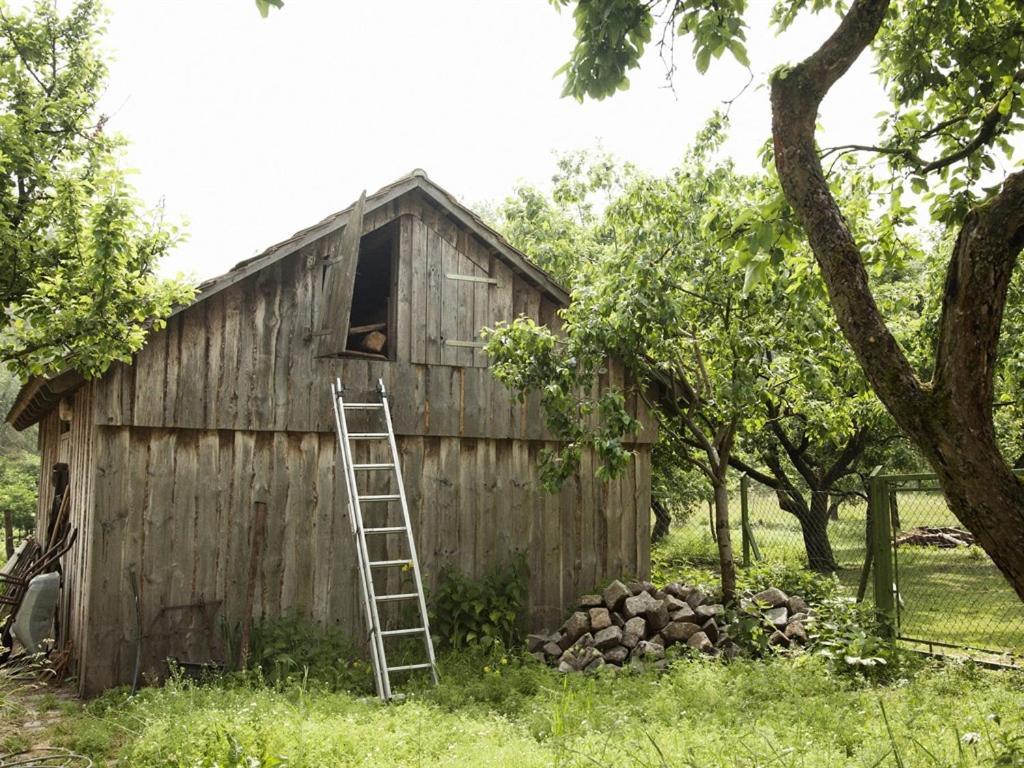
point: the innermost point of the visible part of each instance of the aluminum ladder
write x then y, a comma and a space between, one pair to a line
367, 567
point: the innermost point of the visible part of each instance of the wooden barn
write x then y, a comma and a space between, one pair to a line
228, 409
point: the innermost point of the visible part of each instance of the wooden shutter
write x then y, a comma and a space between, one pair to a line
336, 304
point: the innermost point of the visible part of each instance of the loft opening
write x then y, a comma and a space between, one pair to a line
372, 317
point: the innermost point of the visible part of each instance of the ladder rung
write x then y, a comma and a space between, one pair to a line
388, 563
363, 406
387, 529
367, 435
398, 632
407, 667
393, 598
381, 497
358, 467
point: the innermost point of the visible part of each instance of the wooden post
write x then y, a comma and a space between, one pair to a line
258, 531
881, 530
745, 518
9, 533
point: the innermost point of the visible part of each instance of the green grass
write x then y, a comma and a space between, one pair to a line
948, 596
781, 712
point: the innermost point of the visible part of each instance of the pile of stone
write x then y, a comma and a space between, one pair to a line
937, 536
637, 622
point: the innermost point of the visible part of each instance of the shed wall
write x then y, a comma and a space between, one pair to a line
176, 507
73, 446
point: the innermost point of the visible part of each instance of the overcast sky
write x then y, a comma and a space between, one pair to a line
252, 128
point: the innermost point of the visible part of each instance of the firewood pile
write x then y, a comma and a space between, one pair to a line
944, 537
368, 338
637, 622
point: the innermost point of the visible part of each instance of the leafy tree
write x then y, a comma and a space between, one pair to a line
954, 72
662, 300
78, 254
564, 230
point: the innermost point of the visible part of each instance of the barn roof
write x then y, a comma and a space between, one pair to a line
41, 393
416, 180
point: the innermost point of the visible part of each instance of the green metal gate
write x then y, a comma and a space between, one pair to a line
934, 588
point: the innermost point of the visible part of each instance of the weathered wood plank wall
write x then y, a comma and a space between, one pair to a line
73, 446
245, 358
176, 507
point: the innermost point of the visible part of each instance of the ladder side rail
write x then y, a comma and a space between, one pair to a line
428, 640
362, 554
364, 559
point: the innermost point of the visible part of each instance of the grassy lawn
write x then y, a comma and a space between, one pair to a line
951, 596
781, 712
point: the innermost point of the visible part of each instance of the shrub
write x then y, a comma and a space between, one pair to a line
466, 611
288, 648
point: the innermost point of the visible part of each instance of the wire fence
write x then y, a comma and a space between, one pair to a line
945, 592
948, 593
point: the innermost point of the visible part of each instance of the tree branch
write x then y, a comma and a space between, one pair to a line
796, 95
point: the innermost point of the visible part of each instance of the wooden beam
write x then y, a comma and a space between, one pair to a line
473, 279
341, 278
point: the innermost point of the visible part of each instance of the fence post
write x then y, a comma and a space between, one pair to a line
881, 535
745, 518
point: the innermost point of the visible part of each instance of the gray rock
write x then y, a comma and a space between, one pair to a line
564, 641
616, 655
658, 617
777, 617
778, 638
649, 651
587, 602
636, 587
700, 641
714, 611
673, 602
656, 639
772, 597
630, 640
797, 617
540, 656
677, 590
614, 595
679, 631
695, 598
636, 626
586, 640
796, 633
599, 619
607, 638
576, 625
564, 666
710, 629
536, 642
797, 605
553, 649
685, 613
639, 605
617, 620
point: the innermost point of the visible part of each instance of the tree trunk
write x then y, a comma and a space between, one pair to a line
9, 533
814, 527
662, 520
725, 558
949, 418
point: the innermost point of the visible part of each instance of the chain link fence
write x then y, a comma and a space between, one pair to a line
829, 534
947, 593
939, 589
